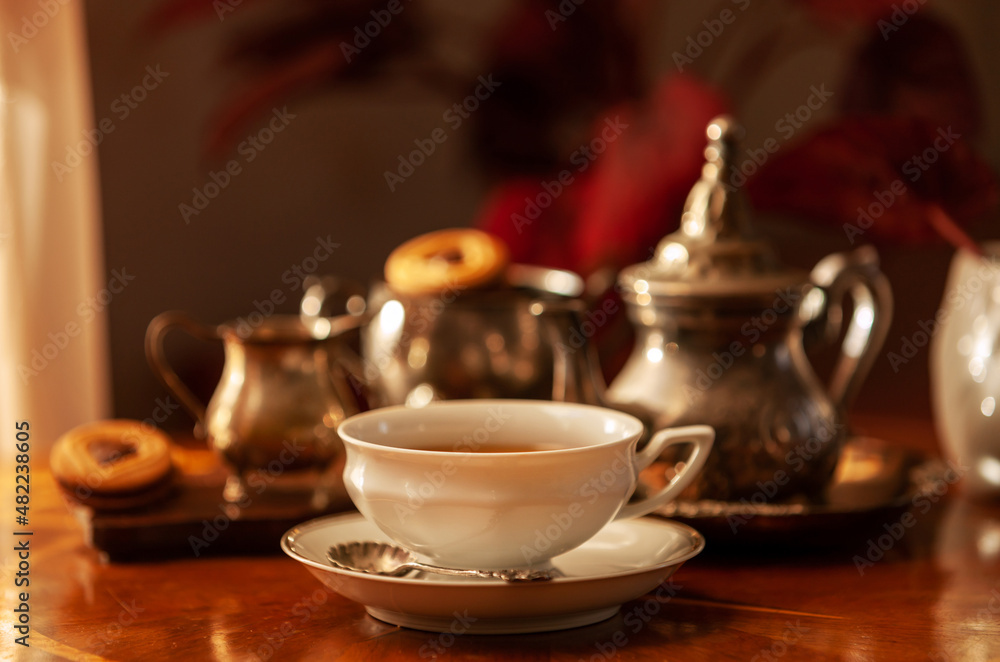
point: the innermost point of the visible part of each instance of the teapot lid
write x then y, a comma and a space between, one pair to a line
716, 252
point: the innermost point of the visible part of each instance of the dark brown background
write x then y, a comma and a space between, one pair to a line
323, 176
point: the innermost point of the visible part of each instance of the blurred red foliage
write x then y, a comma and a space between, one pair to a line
617, 203
921, 70
899, 172
606, 204
558, 73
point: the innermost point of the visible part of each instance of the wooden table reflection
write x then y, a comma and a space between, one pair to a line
934, 596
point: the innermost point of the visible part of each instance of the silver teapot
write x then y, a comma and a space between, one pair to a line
719, 341
525, 340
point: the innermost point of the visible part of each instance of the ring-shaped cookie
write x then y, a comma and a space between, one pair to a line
444, 260
112, 463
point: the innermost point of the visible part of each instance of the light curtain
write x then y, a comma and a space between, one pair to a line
53, 330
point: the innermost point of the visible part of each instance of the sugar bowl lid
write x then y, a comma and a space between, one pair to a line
715, 253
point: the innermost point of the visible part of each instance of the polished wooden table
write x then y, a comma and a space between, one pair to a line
934, 596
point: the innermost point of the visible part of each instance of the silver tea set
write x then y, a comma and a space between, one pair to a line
718, 323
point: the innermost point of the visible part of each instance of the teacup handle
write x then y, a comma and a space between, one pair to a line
702, 436
157, 358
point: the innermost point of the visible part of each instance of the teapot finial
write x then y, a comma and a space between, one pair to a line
714, 209
723, 134
716, 252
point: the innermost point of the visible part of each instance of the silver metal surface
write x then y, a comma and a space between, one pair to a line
379, 558
275, 412
523, 341
719, 327
875, 482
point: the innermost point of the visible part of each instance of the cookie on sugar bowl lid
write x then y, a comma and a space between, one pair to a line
437, 261
113, 465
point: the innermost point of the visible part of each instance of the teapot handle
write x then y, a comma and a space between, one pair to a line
155, 333
856, 273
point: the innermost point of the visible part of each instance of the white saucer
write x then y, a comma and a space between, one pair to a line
624, 561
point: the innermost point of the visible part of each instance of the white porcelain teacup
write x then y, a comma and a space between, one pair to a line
492, 484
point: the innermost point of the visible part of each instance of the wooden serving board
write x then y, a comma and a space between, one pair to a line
194, 520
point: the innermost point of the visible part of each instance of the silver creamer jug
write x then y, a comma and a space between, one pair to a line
274, 415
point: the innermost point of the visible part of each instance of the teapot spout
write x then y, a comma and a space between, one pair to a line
576, 371
318, 291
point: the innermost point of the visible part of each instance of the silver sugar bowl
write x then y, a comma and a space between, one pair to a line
525, 340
